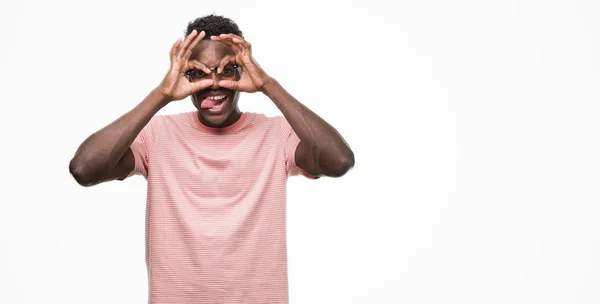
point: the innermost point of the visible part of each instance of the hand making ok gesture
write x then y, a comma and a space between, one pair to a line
175, 86
253, 77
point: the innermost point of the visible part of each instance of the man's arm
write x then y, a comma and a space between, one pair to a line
322, 150
106, 154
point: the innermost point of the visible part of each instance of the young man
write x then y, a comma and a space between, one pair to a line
215, 229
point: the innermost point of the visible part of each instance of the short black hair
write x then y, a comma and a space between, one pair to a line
213, 25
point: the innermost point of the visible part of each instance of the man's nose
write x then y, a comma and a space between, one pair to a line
215, 78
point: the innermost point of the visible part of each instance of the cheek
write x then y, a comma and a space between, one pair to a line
195, 101
236, 96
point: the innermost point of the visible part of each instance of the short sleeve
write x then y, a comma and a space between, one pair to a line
141, 148
291, 144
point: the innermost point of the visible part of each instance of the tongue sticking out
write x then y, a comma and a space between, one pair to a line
209, 103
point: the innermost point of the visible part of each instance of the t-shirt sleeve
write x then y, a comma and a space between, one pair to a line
291, 144
141, 148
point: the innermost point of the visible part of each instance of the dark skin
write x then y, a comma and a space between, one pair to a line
105, 155
211, 54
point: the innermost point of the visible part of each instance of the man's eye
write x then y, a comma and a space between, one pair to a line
197, 73
229, 69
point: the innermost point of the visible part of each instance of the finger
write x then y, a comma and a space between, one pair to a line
192, 46
231, 36
227, 60
222, 39
175, 49
225, 38
236, 39
195, 64
227, 41
242, 42
201, 85
236, 48
186, 43
230, 84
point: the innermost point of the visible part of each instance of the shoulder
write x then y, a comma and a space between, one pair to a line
276, 123
259, 119
183, 119
167, 121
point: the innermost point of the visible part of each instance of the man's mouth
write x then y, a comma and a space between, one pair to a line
214, 104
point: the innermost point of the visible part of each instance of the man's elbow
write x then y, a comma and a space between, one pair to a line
82, 175
342, 165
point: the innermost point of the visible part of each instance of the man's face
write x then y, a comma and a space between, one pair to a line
217, 106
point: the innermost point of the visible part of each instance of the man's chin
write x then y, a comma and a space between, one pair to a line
215, 120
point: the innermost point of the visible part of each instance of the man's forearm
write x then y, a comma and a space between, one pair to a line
101, 151
327, 145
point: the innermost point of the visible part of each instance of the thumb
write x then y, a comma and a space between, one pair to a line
229, 84
201, 85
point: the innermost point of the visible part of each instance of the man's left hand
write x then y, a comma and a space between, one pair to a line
253, 77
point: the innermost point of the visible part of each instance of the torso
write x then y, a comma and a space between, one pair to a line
216, 212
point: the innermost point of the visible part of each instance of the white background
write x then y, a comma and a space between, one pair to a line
475, 126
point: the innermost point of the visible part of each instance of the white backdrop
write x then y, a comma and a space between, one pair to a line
475, 126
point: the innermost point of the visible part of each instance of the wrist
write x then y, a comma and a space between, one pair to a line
268, 86
159, 96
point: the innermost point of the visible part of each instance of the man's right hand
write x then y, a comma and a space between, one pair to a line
106, 154
175, 86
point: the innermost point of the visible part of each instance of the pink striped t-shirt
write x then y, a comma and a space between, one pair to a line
215, 215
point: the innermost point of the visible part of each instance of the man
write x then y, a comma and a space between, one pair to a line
215, 229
